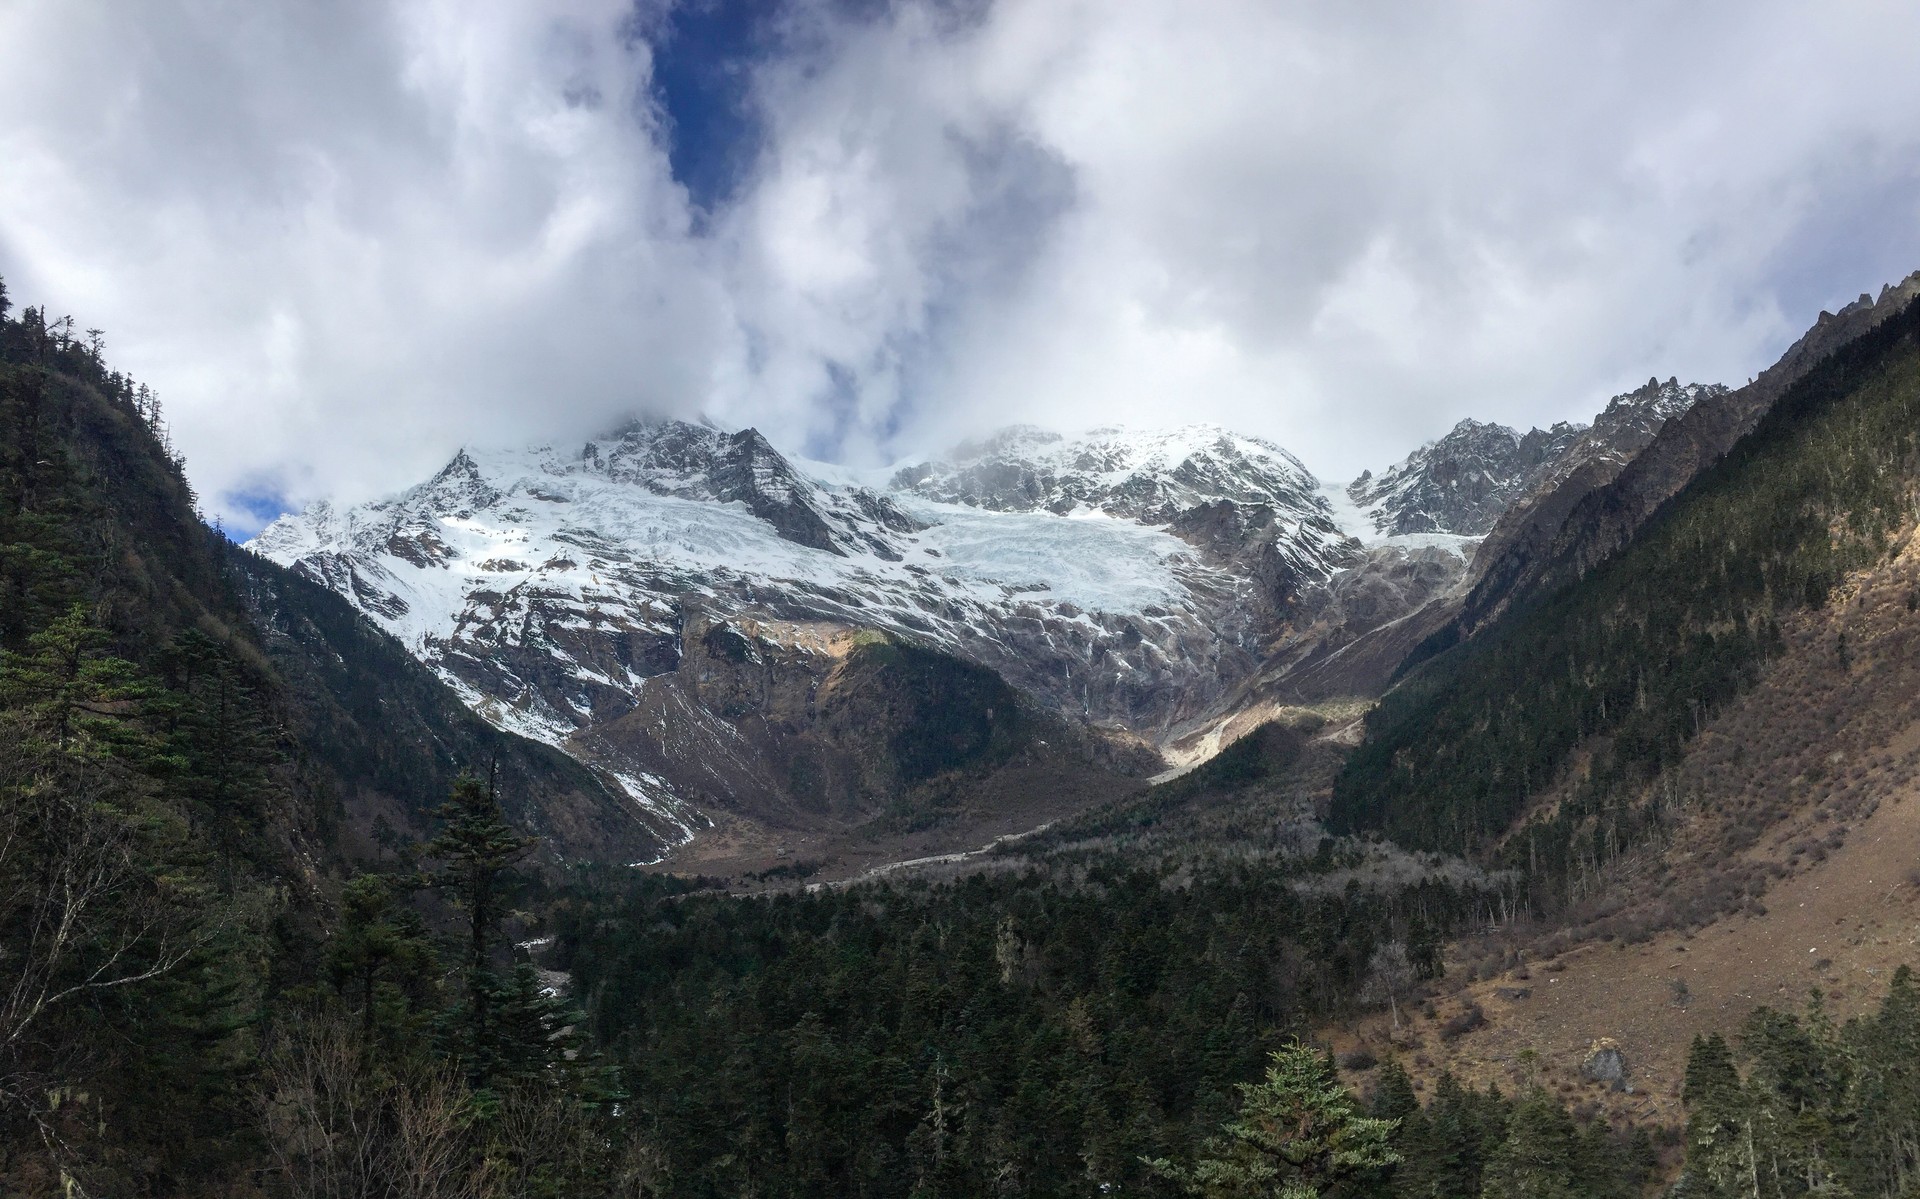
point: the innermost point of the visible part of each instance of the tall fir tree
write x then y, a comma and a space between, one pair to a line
1297, 1134
1540, 1157
477, 847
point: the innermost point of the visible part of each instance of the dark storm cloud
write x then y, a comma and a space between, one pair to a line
344, 237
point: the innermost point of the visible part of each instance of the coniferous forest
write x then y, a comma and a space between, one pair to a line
212, 988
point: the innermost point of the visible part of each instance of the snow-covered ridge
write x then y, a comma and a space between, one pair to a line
1146, 475
1123, 578
656, 506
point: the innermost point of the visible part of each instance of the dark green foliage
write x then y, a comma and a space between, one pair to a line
381, 961
1029, 1034
1822, 1109
1467, 1142
1297, 1134
71, 693
533, 1031
1632, 660
476, 847
1393, 1097
163, 798
147, 808
1541, 1157
1445, 1148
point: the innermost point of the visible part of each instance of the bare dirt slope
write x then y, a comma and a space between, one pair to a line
1843, 925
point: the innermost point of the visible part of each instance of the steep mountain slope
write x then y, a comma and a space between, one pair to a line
180, 789
390, 738
1578, 520
1654, 640
1420, 524
1782, 860
364, 731
675, 603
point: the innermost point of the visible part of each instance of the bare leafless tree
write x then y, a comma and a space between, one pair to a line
80, 914
323, 1114
342, 1127
433, 1154
1389, 975
642, 1170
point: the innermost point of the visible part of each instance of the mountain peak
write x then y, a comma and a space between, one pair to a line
1461, 483
1146, 475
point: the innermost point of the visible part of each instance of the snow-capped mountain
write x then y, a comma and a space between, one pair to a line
1463, 483
1150, 477
1120, 579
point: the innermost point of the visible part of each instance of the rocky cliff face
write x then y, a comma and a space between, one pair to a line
1461, 483
1467, 481
1423, 521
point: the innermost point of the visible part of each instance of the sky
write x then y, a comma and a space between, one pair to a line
342, 238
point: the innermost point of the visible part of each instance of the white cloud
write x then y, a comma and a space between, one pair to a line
342, 238
1348, 231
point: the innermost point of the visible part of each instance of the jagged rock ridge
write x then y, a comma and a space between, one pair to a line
1463, 483
1581, 517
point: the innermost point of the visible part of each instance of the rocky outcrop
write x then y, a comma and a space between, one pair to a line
1605, 1062
1461, 483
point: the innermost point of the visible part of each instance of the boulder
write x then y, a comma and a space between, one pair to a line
1605, 1062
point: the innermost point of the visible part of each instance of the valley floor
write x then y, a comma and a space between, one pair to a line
1019, 802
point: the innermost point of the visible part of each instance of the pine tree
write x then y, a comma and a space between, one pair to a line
379, 956
534, 1031
216, 726
1539, 1157
1444, 1148
1393, 1097
1886, 1144
478, 847
70, 690
1720, 1150
1298, 1132
1798, 1087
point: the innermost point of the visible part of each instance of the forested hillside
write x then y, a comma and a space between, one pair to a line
155, 838
194, 748
1619, 671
